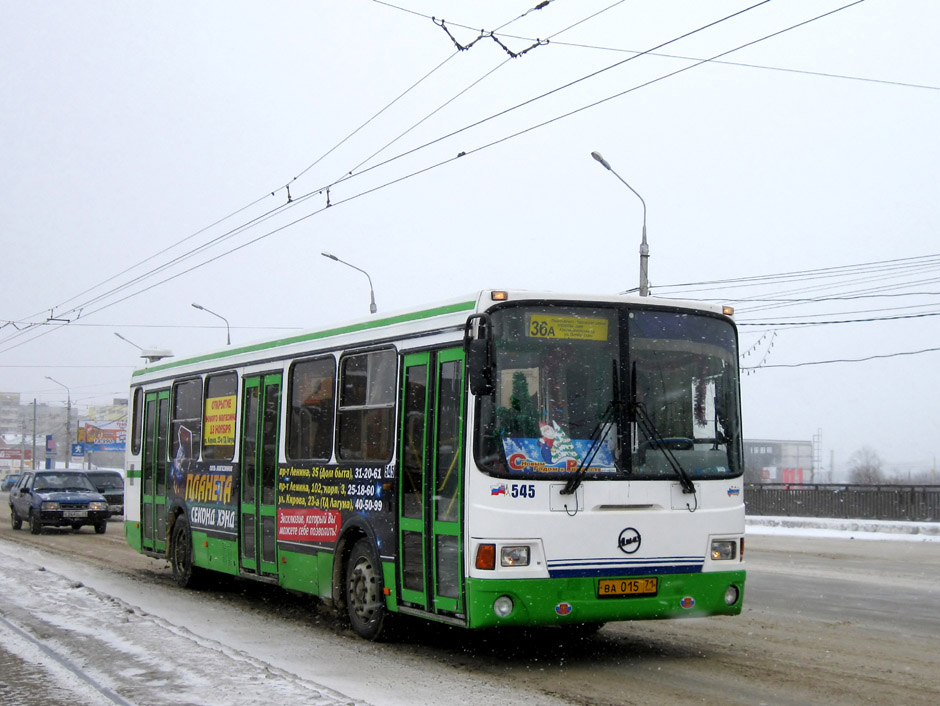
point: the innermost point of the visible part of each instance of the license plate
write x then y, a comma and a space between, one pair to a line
618, 588
74, 513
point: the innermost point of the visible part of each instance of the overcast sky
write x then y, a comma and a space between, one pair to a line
129, 131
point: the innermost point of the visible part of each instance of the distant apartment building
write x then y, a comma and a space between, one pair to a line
10, 413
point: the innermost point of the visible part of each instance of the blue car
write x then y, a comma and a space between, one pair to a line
9, 481
60, 498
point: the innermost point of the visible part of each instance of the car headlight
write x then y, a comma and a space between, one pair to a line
724, 549
50, 505
514, 556
96, 505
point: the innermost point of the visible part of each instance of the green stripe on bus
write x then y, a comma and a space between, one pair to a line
378, 323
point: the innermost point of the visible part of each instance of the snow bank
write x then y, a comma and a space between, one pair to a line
849, 529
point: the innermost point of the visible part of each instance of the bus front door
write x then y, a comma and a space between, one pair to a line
153, 485
258, 475
430, 482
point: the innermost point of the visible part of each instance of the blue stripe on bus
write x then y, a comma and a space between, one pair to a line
625, 567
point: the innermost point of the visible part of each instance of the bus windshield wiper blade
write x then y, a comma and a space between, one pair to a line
598, 436
652, 433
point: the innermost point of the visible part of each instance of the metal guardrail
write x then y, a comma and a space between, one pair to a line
914, 503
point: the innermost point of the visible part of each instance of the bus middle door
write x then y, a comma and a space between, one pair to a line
258, 474
430, 481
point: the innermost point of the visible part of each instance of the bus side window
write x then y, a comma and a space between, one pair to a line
186, 423
218, 443
365, 417
310, 426
137, 420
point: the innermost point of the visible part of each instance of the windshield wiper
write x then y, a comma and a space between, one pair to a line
641, 417
657, 441
598, 436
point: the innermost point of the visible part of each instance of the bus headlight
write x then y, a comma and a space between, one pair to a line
514, 556
731, 595
502, 606
724, 549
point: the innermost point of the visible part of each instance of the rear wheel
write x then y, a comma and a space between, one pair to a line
181, 555
15, 519
35, 524
365, 596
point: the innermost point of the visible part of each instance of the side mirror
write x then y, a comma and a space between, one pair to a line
479, 351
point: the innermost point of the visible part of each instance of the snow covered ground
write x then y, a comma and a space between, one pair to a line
90, 637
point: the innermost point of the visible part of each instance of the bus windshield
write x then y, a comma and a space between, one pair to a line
610, 392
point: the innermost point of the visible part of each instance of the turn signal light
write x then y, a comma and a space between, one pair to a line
486, 557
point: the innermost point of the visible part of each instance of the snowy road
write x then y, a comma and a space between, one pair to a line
100, 639
818, 627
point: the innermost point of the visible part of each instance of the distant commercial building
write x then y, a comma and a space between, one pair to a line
775, 461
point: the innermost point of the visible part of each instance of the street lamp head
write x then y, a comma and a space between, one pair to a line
597, 156
330, 255
196, 306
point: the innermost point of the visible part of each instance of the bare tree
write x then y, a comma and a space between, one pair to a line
865, 467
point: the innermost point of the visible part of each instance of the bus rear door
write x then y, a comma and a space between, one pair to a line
153, 487
258, 474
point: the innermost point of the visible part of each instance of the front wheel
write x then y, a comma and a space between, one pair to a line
15, 519
101, 527
365, 597
35, 524
181, 555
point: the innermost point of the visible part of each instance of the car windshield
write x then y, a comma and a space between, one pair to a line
107, 481
63, 481
610, 392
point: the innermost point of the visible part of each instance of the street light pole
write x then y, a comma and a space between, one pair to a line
372, 308
644, 247
228, 334
68, 421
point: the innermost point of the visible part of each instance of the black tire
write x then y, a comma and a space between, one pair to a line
365, 595
35, 524
181, 555
76, 526
101, 527
15, 519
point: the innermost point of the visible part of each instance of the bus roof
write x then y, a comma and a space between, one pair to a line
442, 317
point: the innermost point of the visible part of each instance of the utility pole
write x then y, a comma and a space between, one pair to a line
34, 434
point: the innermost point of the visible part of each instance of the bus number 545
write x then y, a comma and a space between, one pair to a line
523, 491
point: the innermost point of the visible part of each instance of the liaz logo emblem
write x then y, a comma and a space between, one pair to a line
629, 541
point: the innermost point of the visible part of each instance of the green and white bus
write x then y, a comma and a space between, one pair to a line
511, 458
